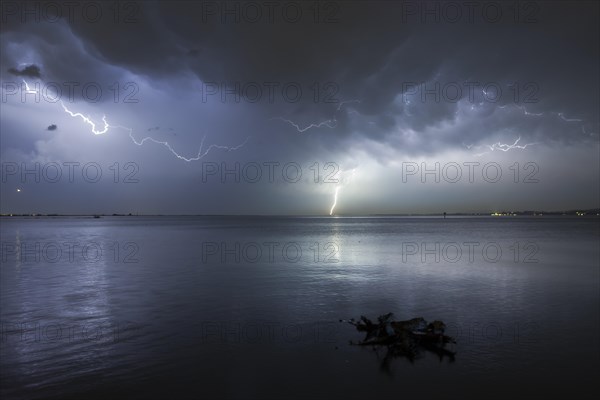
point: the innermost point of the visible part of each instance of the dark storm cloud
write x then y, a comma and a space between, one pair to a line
66, 60
389, 74
32, 71
373, 53
51, 127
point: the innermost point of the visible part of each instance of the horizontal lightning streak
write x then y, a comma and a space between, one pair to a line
506, 147
562, 116
201, 154
330, 123
501, 146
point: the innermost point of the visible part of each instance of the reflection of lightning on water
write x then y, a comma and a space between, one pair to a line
330, 123
107, 126
343, 182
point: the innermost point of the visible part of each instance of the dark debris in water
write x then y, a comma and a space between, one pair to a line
407, 339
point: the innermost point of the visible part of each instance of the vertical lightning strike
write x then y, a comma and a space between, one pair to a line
335, 196
341, 184
329, 123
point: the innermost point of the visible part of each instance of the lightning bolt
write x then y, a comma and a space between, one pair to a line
201, 154
330, 123
562, 116
501, 146
87, 120
96, 131
522, 108
341, 184
507, 147
28, 89
335, 196
559, 114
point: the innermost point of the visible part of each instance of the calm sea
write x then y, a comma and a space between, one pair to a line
249, 307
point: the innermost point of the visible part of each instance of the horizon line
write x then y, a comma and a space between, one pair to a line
575, 211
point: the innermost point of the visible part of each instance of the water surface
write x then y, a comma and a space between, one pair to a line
248, 307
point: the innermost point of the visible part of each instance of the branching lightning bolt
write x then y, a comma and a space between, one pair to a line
501, 146
330, 123
201, 154
87, 120
96, 131
506, 147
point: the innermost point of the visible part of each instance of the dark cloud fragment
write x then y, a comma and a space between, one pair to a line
31, 71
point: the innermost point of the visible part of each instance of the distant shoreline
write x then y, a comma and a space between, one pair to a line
574, 213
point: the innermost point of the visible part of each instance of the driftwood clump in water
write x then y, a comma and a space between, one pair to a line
404, 338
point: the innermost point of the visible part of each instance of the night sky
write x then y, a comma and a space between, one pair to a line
367, 93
